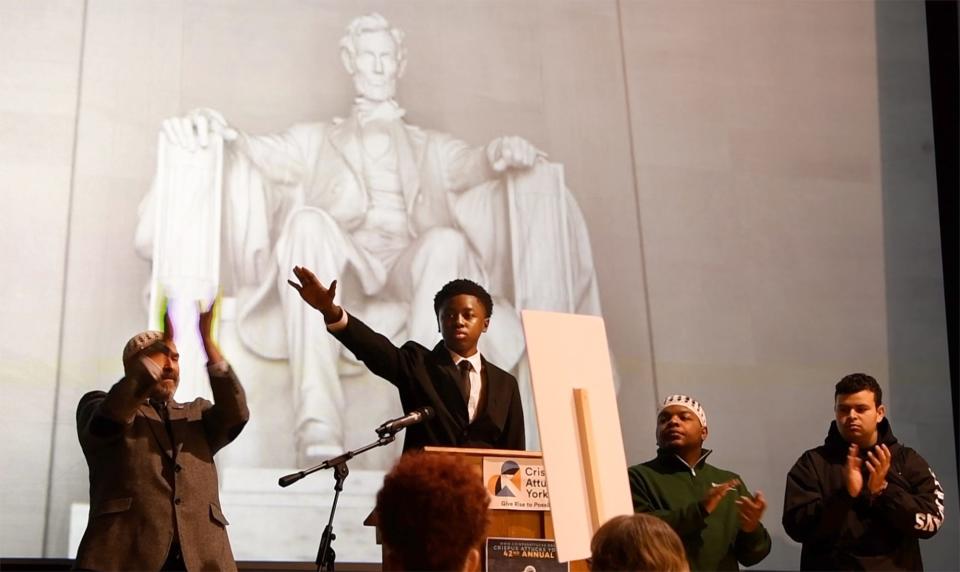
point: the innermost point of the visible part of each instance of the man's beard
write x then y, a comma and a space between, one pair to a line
165, 389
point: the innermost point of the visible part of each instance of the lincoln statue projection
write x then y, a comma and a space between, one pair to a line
391, 209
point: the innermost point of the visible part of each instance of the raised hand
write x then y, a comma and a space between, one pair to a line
878, 464
852, 475
750, 510
142, 369
314, 293
136, 369
205, 321
167, 325
716, 493
205, 325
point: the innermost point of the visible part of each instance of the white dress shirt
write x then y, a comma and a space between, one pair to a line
475, 378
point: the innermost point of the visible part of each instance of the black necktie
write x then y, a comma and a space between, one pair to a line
465, 367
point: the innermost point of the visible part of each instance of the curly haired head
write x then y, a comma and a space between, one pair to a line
637, 542
432, 512
857, 382
462, 286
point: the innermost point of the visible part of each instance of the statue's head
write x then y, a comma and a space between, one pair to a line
373, 53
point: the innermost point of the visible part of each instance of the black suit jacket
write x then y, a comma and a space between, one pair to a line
429, 377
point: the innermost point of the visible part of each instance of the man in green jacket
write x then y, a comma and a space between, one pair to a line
711, 509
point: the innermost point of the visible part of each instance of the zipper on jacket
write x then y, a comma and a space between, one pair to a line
693, 470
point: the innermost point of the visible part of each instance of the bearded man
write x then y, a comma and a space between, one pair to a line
154, 495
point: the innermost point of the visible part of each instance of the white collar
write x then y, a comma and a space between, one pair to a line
474, 360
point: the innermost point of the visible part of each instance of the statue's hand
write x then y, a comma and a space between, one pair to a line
512, 152
192, 131
314, 293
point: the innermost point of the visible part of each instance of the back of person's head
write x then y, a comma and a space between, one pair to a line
857, 382
637, 542
432, 513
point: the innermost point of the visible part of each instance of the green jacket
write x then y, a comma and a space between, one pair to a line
670, 489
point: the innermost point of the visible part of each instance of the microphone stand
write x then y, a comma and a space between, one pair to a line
326, 556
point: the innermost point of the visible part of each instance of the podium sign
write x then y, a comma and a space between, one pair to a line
517, 522
515, 554
516, 483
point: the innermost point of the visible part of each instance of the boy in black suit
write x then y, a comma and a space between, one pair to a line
476, 404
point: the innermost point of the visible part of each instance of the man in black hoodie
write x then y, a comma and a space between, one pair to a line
861, 500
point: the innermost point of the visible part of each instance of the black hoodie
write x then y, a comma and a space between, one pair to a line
839, 532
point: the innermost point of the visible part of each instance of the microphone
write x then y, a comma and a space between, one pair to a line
412, 418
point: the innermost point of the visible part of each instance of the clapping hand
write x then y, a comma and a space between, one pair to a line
716, 493
852, 475
750, 510
878, 464
205, 323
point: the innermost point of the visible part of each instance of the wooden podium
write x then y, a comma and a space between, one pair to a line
503, 523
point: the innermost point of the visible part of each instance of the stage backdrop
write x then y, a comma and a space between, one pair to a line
757, 180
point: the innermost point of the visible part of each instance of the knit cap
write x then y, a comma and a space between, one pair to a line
140, 342
688, 402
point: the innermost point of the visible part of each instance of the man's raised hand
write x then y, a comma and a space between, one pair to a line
314, 293
205, 324
167, 325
